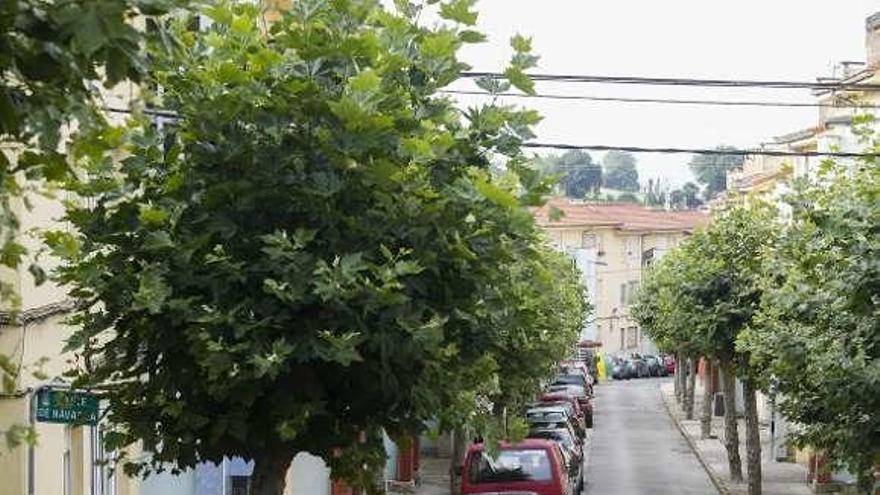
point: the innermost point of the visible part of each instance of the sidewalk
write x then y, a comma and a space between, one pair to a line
434, 476
779, 478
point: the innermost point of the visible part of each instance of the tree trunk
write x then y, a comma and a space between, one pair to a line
865, 478
270, 471
731, 434
680, 374
459, 446
708, 395
753, 438
691, 388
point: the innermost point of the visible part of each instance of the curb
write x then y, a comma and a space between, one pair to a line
720, 485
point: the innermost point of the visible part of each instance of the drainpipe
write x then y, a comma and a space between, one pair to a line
32, 423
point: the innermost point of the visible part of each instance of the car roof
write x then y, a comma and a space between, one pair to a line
547, 408
528, 443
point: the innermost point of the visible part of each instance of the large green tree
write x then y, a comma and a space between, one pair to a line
818, 331
323, 252
711, 170
619, 169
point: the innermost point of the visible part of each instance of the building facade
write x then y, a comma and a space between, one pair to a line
613, 244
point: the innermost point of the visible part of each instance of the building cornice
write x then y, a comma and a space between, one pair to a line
37, 313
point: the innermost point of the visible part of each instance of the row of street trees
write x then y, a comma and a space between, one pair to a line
788, 308
323, 249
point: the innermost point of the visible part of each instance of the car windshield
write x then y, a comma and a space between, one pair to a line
545, 416
561, 436
570, 390
511, 465
570, 379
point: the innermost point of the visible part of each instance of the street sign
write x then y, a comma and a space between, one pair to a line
66, 407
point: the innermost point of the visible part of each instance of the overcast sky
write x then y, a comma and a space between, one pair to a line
744, 39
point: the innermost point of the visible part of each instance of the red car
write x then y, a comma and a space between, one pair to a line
533, 466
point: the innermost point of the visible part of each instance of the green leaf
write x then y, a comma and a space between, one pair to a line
470, 36
63, 244
87, 31
152, 216
440, 45
152, 290
521, 44
157, 240
459, 11
520, 80
495, 194
38, 273
367, 81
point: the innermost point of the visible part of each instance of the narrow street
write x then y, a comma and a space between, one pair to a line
636, 448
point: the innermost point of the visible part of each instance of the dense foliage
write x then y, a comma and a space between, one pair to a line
711, 170
52, 57
818, 331
619, 169
702, 294
320, 251
578, 175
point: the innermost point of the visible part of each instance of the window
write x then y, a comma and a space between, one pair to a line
632, 290
240, 485
511, 466
628, 292
631, 337
590, 241
103, 476
622, 337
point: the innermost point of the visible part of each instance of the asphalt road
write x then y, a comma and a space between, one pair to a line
636, 449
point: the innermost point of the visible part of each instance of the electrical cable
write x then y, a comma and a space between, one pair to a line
674, 81
673, 101
699, 151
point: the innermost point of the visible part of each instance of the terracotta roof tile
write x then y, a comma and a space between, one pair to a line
622, 216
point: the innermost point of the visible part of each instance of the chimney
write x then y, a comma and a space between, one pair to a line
872, 40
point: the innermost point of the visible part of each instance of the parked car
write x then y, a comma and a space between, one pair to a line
640, 366
569, 443
567, 367
655, 366
575, 377
572, 408
549, 416
533, 466
575, 391
622, 369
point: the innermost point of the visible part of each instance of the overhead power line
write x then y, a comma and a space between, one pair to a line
672, 101
699, 151
673, 81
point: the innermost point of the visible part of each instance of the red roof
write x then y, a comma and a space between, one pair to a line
621, 216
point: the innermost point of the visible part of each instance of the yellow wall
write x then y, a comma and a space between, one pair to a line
618, 268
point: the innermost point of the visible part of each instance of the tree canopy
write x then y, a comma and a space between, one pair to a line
817, 334
322, 253
578, 175
711, 170
619, 169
